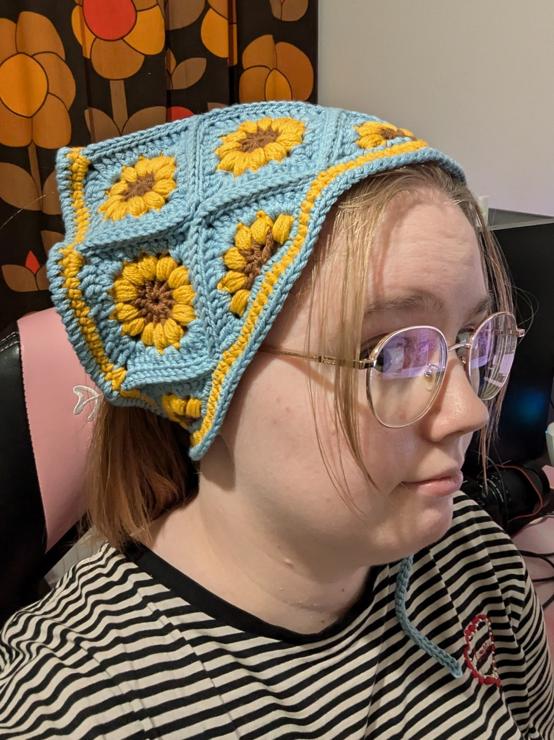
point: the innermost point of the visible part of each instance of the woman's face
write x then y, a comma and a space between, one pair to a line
425, 249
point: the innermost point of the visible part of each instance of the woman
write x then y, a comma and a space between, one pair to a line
288, 556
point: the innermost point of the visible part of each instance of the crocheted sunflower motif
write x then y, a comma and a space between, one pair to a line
154, 299
254, 246
142, 187
255, 143
377, 133
185, 411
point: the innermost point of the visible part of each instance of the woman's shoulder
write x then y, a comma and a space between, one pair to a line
57, 654
76, 616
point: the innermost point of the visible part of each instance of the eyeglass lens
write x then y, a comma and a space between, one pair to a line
410, 366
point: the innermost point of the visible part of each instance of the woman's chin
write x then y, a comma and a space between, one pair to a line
421, 526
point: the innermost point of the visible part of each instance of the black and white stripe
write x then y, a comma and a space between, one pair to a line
128, 647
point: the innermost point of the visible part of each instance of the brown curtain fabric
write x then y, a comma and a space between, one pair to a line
78, 71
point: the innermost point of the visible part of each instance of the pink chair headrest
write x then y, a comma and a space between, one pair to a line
61, 402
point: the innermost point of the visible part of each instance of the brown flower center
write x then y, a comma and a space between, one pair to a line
256, 257
390, 133
258, 139
154, 301
141, 186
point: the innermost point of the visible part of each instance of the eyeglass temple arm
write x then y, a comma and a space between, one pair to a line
323, 359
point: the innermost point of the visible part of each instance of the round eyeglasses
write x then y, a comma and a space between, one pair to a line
405, 370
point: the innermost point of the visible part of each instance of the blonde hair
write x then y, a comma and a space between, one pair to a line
138, 466
355, 217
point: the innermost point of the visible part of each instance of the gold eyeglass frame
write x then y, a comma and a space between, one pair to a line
371, 361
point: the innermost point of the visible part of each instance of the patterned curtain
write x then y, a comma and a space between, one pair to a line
77, 71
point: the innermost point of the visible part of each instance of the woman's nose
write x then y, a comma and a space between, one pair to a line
457, 408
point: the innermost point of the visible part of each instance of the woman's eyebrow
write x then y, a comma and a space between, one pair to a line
422, 300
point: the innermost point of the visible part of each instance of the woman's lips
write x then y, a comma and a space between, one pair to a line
438, 486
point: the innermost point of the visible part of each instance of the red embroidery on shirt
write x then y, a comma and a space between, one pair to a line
479, 650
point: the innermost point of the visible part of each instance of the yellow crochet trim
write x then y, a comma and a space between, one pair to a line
255, 143
184, 411
377, 133
323, 180
254, 246
142, 187
71, 262
154, 299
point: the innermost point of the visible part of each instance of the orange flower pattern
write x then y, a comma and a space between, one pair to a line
36, 85
219, 30
275, 71
41, 62
116, 37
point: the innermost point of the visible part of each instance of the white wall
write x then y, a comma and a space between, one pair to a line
473, 77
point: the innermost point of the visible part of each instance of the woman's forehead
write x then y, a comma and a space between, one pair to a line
424, 255
425, 245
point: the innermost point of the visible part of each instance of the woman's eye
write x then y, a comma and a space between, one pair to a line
465, 333
368, 347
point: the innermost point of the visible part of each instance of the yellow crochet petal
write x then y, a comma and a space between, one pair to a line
147, 266
281, 228
163, 187
143, 167
153, 200
290, 130
230, 145
275, 150
177, 406
126, 312
173, 331
134, 327
233, 161
194, 408
250, 127
256, 158
160, 339
239, 301
165, 267
124, 290
165, 170
232, 281
234, 260
178, 277
184, 294
147, 335
136, 206
235, 137
261, 227
119, 188
371, 141
183, 313
129, 174
115, 209
264, 123
132, 274
243, 237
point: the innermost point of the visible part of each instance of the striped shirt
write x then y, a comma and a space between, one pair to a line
126, 646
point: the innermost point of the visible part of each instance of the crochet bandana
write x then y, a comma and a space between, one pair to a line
184, 240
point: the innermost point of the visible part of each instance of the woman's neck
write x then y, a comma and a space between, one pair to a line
251, 568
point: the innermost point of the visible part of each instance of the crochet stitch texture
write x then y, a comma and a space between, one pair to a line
184, 240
